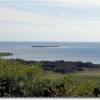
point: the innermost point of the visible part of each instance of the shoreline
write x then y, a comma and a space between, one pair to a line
5, 54
58, 66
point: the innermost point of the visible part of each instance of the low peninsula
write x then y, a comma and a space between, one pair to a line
5, 54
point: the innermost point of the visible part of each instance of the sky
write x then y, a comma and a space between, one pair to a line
50, 20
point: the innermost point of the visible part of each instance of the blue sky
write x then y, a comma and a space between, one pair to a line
50, 20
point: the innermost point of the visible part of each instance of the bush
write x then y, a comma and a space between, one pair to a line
20, 80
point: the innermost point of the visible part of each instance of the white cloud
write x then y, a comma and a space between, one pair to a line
7, 14
43, 27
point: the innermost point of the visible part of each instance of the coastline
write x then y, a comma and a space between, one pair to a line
60, 66
5, 54
44, 77
68, 51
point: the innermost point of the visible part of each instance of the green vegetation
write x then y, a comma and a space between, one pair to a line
65, 67
94, 75
22, 80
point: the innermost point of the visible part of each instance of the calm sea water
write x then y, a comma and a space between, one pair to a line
86, 52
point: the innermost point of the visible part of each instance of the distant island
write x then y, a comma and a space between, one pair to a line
44, 46
5, 54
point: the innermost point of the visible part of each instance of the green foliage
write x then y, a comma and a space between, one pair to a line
20, 80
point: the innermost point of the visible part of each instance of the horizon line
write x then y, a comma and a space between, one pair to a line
55, 41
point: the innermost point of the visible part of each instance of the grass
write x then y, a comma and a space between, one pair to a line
92, 73
87, 75
54, 76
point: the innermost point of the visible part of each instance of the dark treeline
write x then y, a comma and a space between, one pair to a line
61, 66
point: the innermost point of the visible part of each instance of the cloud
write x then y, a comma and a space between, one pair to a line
24, 17
39, 23
39, 26
7, 14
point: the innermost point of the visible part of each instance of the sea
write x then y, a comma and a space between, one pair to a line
53, 51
